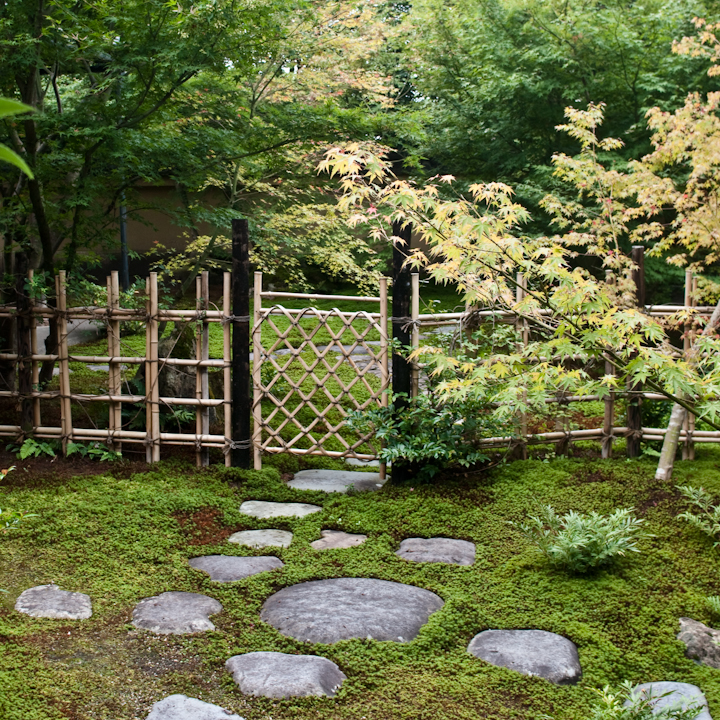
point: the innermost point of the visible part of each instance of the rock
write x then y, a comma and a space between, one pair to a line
49, 601
262, 538
228, 568
335, 480
437, 550
356, 462
175, 613
277, 675
676, 694
337, 539
701, 641
326, 611
182, 707
263, 510
530, 652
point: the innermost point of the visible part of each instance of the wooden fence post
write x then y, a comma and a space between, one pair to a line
634, 408
202, 352
256, 373
62, 345
227, 369
24, 346
114, 367
688, 450
241, 397
609, 414
524, 331
414, 313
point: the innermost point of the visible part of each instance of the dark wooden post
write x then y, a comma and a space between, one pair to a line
402, 334
24, 345
634, 407
241, 395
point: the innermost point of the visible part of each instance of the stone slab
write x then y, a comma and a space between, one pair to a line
182, 707
437, 550
229, 568
49, 601
336, 480
530, 652
326, 611
702, 642
263, 510
278, 675
676, 694
262, 538
337, 540
356, 462
175, 613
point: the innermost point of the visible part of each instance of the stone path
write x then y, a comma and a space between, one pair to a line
437, 550
263, 510
336, 540
326, 611
228, 568
530, 652
175, 613
182, 707
49, 601
336, 480
278, 675
262, 538
676, 694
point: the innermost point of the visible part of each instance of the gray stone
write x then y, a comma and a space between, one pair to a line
228, 568
182, 707
701, 642
676, 695
326, 611
530, 652
263, 510
277, 675
175, 613
336, 480
336, 540
356, 462
262, 538
49, 601
437, 550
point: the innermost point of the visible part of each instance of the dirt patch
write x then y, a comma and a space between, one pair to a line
204, 526
670, 496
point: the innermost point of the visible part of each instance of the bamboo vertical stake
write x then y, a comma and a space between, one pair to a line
256, 372
609, 413
227, 370
384, 345
34, 350
155, 386
414, 312
148, 379
523, 329
202, 389
114, 371
688, 449
65, 407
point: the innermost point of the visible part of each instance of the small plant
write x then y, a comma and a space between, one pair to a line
33, 448
713, 602
708, 519
580, 543
627, 704
10, 519
94, 451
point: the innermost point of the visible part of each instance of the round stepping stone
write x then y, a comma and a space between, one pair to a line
437, 550
677, 695
262, 538
337, 539
182, 707
325, 611
277, 675
263, 510
228, 568
175, 613
335, 480
530, 652
49, 601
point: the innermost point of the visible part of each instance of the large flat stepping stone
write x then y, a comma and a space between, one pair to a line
677, 695
702, 642
277, 675
49, 601
175, 613
263, 510
228, 568
326, 611
530, 652
437, 550
262, 538
336, 540
336, 480
182, 707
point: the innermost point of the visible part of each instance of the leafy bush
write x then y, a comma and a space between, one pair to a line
708, 520
579, 543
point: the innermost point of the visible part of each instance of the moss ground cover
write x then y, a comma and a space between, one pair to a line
127, 532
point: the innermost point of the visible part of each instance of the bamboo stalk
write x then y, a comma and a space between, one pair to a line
609, 410
523, 330
312, 296
227, 373
414, 313
202, 389
384, 399
257, 366
65, 407
33, 349
114, 370
153, 409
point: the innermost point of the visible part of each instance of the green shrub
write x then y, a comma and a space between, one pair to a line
708, 520
579, 543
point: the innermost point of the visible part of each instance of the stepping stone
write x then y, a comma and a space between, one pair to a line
530, 652
49, 601
677, 694
175, 613
182, 707
702, 642
337, 539
262, 538
263, 510
228, 568
356, 462
326, 611
277, 675
335, 480
437, 550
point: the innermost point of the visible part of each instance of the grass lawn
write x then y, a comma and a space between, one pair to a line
127, 532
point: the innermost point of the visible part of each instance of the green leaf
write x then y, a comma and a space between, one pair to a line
12, 107
7, 155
